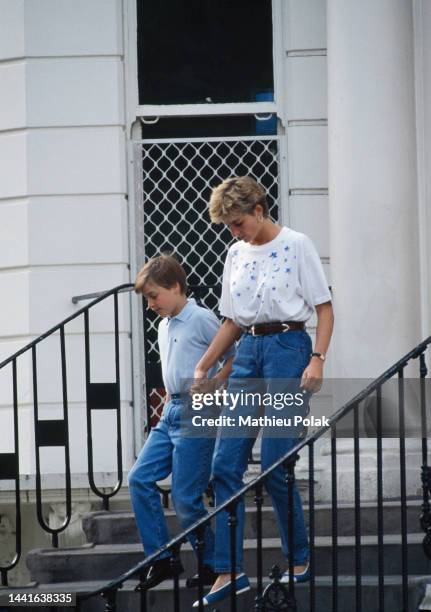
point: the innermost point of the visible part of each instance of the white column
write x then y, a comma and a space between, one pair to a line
372, 184
373, 212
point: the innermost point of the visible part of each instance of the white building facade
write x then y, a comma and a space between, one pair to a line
351, 94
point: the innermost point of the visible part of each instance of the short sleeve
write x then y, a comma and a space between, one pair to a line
162, 338
209, 327
225, 305
312, 277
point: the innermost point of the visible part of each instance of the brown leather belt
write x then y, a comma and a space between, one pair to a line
274, 328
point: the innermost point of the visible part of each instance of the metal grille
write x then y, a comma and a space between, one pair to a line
173, 187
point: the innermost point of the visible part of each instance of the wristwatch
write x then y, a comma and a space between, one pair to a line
321, 356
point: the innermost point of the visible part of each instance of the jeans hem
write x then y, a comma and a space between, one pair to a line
300, 562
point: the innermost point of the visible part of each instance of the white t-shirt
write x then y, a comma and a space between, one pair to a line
282, 280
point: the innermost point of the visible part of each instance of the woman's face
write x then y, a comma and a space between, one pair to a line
246, 226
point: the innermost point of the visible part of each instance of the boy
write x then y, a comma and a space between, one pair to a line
184, 334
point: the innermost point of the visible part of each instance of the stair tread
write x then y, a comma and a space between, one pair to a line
320, 541
250, 509
343, 580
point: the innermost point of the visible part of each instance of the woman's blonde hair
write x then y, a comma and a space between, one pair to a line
237, 195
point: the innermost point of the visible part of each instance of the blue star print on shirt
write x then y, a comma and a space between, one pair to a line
273, 255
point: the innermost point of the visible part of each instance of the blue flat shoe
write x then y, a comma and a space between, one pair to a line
242, 585
302, 577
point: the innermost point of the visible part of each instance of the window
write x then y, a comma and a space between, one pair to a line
204, 51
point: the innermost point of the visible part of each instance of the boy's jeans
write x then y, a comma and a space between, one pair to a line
189, 460
271, 356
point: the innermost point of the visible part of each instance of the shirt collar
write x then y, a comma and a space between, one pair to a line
186, 311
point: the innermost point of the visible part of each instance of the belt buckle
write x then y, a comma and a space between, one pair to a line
286, 327
252, 330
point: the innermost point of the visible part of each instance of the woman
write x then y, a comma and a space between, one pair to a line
273, 281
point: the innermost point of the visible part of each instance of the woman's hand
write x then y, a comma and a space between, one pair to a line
312, 376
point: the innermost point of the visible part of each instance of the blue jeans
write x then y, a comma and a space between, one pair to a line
270, 357
189, 460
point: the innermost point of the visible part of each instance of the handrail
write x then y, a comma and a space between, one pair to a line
289, 457
57, 327
89, 296
55, 432
96, 294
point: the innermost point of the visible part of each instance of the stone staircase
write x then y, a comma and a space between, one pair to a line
113, 547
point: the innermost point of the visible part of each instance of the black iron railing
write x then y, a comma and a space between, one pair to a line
107, 395
55, 433
277, 596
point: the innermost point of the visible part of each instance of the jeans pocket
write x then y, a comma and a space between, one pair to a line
288, 341
165, 412
299, 346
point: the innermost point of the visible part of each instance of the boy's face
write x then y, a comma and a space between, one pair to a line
165, 302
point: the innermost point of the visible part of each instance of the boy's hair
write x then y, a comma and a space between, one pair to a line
235, 196
164, 271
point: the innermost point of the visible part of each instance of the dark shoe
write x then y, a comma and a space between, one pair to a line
208, 577
158, 572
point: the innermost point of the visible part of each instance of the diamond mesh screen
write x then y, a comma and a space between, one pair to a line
173, 189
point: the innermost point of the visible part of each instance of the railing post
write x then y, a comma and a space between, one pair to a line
110, 597
311, 527
425, 516
233, 523
9, 470
358, 560
380, 526
103, 396
289, 467
142, 591
49, 433
334, 517
258, 500
276, 595
403, 488
200, 548
175, 562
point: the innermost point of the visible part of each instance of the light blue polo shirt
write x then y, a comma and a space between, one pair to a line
183, 340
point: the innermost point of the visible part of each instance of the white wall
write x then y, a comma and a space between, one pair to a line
306, 111
422, 22
63, 210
